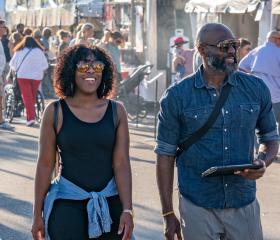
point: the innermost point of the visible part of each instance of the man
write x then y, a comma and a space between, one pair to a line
20, 29
223, 207
46, 34
264, 62
182, 58
3, 124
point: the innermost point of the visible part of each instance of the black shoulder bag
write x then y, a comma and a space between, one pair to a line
187, 142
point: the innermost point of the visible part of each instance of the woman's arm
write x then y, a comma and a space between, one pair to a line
122, 171
44, 170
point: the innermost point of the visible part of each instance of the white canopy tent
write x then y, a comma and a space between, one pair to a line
222, 6
37, 13
247, 18
275, 6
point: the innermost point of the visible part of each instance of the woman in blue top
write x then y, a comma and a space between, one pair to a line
94, 150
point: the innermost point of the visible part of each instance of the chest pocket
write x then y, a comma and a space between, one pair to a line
195, 118
248, 115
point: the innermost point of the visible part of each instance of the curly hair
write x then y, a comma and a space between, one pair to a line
64, 72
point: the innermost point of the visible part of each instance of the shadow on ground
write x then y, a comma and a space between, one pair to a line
7, 233
148, 223
15, 206
12, 149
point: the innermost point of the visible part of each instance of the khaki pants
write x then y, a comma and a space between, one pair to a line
220, 224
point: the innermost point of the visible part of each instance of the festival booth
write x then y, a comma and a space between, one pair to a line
40, 13
247, 18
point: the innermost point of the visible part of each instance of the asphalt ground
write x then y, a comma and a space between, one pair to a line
18, 154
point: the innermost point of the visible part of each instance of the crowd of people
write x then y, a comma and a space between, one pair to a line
226, 94
26, 54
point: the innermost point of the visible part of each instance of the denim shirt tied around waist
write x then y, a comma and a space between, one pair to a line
97, 207
186, 106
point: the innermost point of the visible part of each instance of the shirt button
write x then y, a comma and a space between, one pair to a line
226, 148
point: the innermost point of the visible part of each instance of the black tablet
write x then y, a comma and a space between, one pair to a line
228, 170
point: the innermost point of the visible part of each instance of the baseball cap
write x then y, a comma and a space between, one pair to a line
179, 41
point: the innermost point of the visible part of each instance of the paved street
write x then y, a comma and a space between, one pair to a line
18, 153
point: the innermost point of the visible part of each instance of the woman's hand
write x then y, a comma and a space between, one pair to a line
126, 226
38, 229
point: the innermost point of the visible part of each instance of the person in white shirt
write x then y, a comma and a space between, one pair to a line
29, 63
3, 124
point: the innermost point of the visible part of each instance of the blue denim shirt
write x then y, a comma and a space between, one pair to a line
186, 106
97, 207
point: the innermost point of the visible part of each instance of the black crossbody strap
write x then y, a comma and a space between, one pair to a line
23, 59
186, 143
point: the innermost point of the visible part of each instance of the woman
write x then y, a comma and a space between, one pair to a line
27, 31
85, 35
112, 47
29, 63
15, 39
64, 39
244, 49
93, 150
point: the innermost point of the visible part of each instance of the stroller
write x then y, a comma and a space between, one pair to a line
13, 103
135, 105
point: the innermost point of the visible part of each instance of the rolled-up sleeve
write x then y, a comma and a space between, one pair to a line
168, 127
266, 124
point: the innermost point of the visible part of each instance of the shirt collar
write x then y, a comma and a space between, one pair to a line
270, 44
200, 83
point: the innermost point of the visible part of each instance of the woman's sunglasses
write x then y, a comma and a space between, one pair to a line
97, 67
225, 45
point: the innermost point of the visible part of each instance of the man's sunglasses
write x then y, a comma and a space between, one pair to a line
97, 67
225, 45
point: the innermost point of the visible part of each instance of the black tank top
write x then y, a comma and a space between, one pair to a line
87, 149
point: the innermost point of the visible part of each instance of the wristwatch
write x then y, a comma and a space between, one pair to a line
129, 211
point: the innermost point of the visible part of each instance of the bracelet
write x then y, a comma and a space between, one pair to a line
168, 213
129, 211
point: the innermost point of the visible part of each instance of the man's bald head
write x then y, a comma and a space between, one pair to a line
211, 32
220, 58
272, 35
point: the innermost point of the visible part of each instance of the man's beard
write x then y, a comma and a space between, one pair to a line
220, 65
